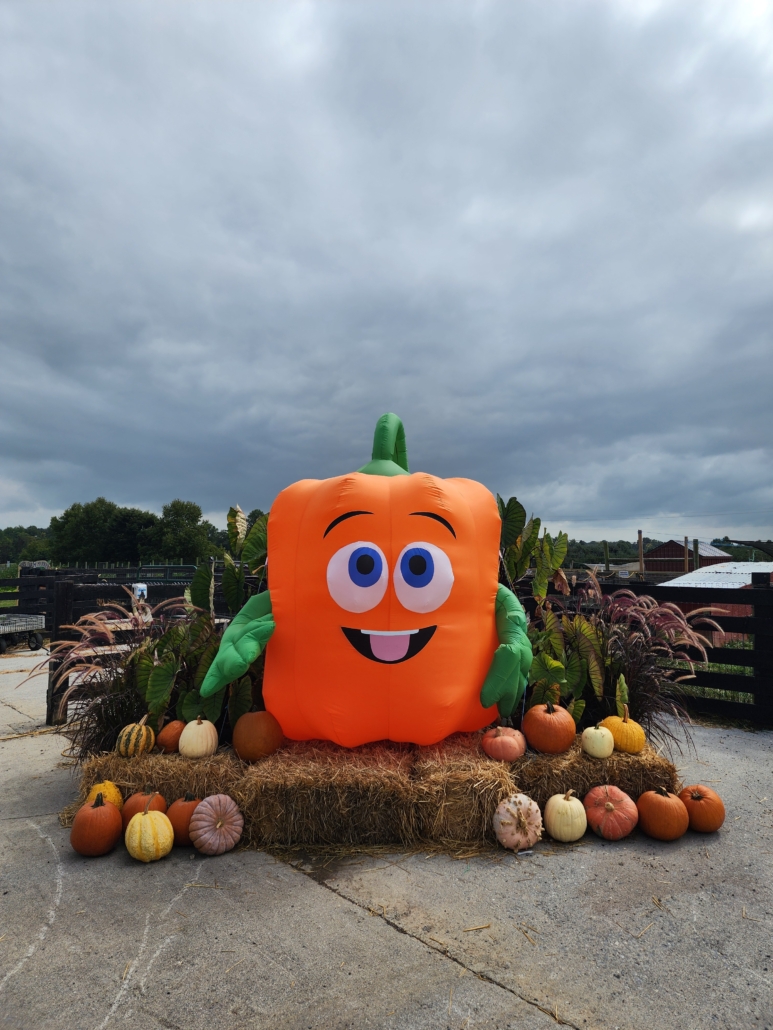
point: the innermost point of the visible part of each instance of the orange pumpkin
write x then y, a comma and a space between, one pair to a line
611, 812
168, 739
549, 728
662, 815
705, 808
383, 589
256, 735
136, 803
179, 815
504, 743
96, 828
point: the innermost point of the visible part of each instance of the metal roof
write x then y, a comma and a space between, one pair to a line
726, 574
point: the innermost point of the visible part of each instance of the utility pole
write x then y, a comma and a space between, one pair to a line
641, 555
606, 556
696, 555
686, 555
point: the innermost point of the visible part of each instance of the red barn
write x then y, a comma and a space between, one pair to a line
669, 557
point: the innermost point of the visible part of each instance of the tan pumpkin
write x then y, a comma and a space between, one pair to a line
216, 825
198, 739
256, 735
96, 828
135, 739
518, 822
149, 835
109, 792
565, 818
597, 741
628, 735
504, 743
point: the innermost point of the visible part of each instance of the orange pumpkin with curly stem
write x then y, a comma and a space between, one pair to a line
704, 808
549, 728
662, 815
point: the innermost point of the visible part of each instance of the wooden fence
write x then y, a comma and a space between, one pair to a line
746, 616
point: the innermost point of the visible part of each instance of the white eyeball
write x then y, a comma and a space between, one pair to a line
423, 577
357, 576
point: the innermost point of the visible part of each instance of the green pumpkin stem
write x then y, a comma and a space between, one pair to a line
98, 801
663, 792
390, 454
189, 796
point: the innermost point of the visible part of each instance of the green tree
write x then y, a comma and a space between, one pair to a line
99, 531
181, 533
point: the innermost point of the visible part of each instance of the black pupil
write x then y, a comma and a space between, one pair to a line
365, 564
417, 564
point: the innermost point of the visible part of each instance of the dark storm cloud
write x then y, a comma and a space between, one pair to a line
234, 235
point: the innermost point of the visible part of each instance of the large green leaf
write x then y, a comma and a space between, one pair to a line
193, 705
201, 586
542, 692
233, 584
621, 695
206, 660
254, 550
558, 554
576, 673
513, 515
595, 668
143, 666
554, 635
160, 685
239, 699
237, 530
575, 709
546, 668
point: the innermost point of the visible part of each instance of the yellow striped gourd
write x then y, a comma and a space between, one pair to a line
135, 739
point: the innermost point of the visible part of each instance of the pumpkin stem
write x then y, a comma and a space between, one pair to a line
144, 719
568, 793
609, 806
625, 713
189, 796
662, 791
219, 824
98, 801
198, 720
390, 454
550, 708
598, 725
147, 806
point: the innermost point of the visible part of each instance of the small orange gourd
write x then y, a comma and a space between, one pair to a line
168, 739
96, 828
179, 815
256, 735
504, 743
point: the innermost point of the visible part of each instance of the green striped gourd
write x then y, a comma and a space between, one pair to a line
134, 740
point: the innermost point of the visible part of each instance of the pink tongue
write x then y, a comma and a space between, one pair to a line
390, 649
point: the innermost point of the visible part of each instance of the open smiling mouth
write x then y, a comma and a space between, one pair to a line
389, 647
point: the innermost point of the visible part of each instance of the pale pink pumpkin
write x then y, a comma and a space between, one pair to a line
216, 825
518, 822
611, 813
504, 743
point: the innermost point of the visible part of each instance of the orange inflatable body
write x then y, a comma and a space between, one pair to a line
383, 590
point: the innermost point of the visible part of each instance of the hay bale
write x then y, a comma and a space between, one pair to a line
170, 775
315, 793
541, 776
457, 789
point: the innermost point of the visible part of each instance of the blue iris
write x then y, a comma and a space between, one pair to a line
417, 567
365, 567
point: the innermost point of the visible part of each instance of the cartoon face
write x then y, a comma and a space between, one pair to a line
383, 593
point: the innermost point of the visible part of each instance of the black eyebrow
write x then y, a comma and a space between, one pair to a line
437, 518
348, 515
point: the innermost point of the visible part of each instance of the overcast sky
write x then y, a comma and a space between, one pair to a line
234, 234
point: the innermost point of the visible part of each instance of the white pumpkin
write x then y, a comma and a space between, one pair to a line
597, 741
565, 817
518, 822
198, 739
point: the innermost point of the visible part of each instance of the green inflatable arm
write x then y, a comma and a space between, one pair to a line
509, 670
242, 642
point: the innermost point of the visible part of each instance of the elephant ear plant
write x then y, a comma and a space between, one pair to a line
248, 545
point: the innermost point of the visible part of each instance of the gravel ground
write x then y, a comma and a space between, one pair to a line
631, 935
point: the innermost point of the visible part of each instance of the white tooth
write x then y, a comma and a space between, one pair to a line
389, 632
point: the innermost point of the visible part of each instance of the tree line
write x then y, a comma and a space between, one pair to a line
102, 531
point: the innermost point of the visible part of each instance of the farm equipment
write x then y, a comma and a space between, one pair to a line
15, 629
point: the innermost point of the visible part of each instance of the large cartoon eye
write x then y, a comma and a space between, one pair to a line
423, 577
357, 576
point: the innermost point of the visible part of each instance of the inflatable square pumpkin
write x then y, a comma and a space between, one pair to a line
385, 604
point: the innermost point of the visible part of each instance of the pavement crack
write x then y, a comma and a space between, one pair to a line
443, 951
9, 705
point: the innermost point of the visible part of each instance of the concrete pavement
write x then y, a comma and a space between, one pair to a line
632, 935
